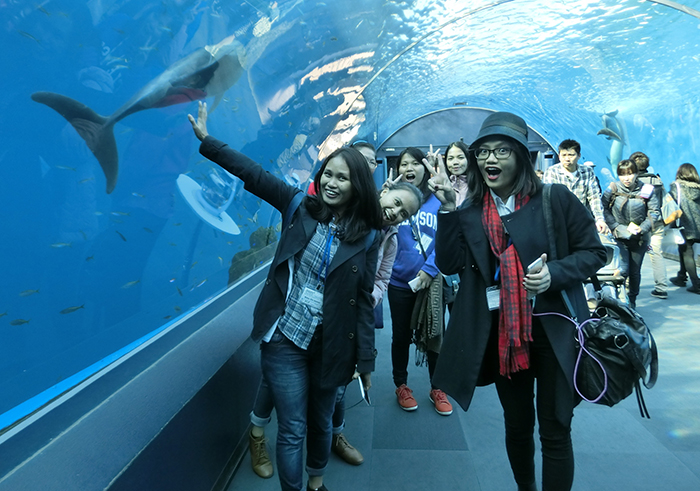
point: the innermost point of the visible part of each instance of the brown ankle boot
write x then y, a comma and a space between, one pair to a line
345, 451
259, 458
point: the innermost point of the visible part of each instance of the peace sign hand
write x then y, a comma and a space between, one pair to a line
440, 184
390, 182
432, 156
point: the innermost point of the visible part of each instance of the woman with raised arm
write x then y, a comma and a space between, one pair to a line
314, 314
504, 328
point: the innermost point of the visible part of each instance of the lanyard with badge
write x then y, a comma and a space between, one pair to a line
311, 296
493, 293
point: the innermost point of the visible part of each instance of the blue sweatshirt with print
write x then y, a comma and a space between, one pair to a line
409, 260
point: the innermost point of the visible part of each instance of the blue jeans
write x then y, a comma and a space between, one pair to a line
304, 408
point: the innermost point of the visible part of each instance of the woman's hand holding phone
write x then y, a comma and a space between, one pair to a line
537, 278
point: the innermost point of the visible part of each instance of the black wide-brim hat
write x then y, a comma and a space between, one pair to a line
502, 124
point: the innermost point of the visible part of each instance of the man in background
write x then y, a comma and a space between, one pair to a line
580, 179
658, 266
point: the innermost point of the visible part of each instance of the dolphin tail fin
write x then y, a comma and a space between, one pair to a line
96, 130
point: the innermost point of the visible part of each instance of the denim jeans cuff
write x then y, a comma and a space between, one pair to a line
337, 430
315, 472
257, 421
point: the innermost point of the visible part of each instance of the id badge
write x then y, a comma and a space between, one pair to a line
312, 298
493, 297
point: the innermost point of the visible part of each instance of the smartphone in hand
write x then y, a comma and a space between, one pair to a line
535, 266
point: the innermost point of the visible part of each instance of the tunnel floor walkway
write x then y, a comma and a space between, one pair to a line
615, 449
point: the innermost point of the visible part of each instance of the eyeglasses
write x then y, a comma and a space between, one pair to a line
499, 153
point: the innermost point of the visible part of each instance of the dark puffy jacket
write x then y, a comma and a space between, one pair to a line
690, 206
622, 206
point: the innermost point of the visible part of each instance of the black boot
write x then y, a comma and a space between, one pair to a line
531, 487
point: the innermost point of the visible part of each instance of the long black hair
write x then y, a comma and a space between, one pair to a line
417, 154
526, 183
363, 211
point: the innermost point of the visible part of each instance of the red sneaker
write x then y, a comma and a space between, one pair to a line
442, 405
406, 400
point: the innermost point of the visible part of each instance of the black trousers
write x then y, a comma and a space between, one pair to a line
517, 396
401, 303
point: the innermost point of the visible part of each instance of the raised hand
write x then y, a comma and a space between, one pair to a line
432, 156
200, 124
390, 182
440, 184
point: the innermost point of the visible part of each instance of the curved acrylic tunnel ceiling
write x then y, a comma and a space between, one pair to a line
560, 65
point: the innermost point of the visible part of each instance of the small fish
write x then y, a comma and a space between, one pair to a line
333, 38
116, 220
43, 11
85, 237
87, 179
120, 213
177, 224
3, 314
26, 293
171, 280
193, 264
98, 213
179, 291
221, 260
19, 322
90, 258
177, 308
121, 235
71, 309
148, 230
130, 284
138, 195
167, 317
60, 245
28, 36
199, 284
63, 167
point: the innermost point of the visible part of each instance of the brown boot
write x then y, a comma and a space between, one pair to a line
259, 457
345, 451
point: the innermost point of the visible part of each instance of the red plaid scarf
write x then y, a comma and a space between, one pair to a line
515, 316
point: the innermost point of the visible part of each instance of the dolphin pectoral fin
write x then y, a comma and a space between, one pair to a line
217, 99
96, 130
607, 132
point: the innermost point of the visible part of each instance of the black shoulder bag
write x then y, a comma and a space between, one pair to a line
615, 347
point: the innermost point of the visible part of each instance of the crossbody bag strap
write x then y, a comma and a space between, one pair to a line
549, 225
417, 236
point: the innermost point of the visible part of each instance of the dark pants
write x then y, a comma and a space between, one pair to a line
687, 257
401, 303
631, 257
517, 396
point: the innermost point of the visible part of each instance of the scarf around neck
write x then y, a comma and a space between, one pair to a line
515, 315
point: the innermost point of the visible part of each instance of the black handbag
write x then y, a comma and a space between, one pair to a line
615, 347
616, 351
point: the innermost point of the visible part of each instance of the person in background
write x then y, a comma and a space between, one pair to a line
415, 262
369, 153
688, 183
630, 208
580, 179
658, 265
456, 165
496, 334
314, 314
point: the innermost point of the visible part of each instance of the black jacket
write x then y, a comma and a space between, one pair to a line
462, 247
348, 318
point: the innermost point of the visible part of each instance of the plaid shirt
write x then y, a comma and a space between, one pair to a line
298, 323
582, 183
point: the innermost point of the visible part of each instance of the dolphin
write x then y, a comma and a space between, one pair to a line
209, 71
614, 130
